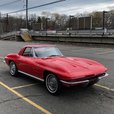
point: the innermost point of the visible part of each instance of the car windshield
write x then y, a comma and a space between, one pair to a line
47, 52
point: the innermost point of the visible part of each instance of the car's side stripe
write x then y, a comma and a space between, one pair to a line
31, 75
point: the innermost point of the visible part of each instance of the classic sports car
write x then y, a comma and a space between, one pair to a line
46, 63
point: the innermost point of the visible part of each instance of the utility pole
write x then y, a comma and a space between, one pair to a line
1, 28
104, 12
91, 22
27, 14
7, 22
103, 20
84, 22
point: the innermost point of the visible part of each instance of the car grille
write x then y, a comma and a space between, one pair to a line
90, 77
94, 77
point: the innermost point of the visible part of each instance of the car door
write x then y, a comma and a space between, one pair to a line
28, 65
25, 61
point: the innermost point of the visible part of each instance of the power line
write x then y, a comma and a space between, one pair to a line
46, 4
9, 3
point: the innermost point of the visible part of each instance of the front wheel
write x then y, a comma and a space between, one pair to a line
13, 69
53, 84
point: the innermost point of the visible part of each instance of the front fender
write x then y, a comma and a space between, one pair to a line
11, 57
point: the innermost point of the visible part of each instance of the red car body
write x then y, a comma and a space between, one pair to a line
69, 70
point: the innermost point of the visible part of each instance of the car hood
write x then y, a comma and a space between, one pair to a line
71, 66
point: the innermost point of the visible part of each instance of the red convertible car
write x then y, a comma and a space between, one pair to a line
46, 63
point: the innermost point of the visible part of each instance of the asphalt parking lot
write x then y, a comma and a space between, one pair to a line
24, 95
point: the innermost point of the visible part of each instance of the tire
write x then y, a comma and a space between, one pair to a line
52, 84
13, 69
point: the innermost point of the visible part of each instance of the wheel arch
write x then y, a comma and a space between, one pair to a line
9, 61
12, 61
46, 72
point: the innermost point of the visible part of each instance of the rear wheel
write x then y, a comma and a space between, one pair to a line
13, 69
53, 84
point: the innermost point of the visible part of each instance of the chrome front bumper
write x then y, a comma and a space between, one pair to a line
84, 81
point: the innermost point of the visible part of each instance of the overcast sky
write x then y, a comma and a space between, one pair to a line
70, 7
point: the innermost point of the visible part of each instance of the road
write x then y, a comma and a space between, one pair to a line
24, 95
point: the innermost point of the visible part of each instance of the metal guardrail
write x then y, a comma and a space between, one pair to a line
71, 33
7, 35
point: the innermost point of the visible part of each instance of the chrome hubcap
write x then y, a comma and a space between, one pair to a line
51, 83
12, 68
